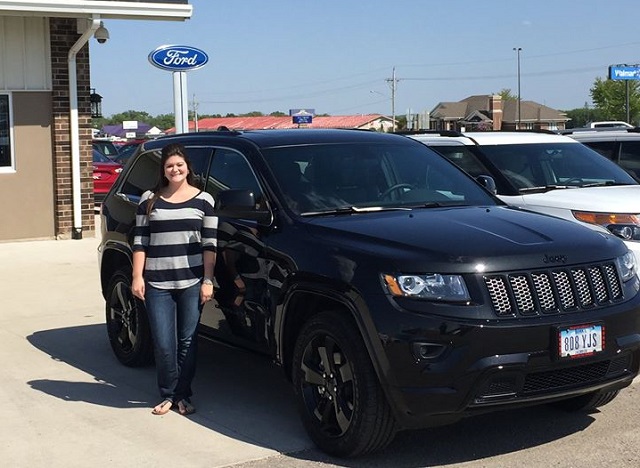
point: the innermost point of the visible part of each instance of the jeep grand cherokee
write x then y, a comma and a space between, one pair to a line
394, 290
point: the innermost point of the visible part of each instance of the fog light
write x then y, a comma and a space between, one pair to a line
423, 351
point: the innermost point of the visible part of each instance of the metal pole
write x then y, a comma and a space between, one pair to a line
518, 49
393, 81
627, 100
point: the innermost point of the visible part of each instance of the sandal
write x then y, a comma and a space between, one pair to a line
185, 408
162, 408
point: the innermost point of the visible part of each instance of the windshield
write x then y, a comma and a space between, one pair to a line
331, 177
539, 165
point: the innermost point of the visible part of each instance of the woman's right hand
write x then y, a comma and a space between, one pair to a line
137, 287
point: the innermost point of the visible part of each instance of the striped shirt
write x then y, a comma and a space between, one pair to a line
173, 238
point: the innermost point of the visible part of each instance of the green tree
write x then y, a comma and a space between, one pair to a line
506, 95
581, 116
163, 121
609, 97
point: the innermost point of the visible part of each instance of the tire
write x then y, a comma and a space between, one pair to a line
127, 325
341, 403
587, 402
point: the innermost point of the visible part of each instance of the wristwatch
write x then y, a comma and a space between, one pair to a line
207, 281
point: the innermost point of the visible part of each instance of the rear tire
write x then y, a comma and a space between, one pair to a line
587, 402
127, 324
341, 403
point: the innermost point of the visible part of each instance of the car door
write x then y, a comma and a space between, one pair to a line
240, 310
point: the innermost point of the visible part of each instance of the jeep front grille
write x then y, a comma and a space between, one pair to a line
554, 291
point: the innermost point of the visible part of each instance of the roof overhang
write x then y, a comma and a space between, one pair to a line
161, 10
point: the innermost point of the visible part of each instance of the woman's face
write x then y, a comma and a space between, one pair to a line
175, 169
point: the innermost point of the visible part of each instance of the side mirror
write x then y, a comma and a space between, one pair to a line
240, 204
488, 183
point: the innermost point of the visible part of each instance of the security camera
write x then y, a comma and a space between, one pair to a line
101, 34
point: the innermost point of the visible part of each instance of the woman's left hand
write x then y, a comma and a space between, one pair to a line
206, 293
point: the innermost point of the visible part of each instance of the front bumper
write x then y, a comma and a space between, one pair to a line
439, 370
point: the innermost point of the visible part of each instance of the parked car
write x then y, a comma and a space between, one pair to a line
394, 290
550, 174
609, 124
127, 150
105, 173
106, 147
622, 146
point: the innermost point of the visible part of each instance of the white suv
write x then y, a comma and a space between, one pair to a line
551, 174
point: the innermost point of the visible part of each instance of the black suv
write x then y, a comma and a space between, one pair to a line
394, 290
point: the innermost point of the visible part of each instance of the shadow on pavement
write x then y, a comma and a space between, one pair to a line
244, 396
237, 393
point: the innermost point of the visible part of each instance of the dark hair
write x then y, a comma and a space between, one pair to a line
172, 149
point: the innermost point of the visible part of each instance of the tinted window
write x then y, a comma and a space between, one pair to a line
325, 177
5, 133
144, 174
230, 170
541, 164
605, 148
630, 156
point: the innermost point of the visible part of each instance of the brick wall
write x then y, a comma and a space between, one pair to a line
64, 34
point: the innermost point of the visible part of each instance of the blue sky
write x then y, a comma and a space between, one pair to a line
335, 56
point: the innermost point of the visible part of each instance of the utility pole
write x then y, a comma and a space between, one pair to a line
195, 113
393, 83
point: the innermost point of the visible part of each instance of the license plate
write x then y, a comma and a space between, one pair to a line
581, 340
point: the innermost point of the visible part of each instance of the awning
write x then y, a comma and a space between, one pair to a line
178, 10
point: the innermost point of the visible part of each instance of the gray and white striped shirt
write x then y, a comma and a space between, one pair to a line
174, 237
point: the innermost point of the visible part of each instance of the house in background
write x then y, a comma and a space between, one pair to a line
377, 122
490, 112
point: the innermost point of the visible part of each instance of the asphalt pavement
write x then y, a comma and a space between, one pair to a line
69, 403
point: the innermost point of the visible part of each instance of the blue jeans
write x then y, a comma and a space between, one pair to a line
173, 317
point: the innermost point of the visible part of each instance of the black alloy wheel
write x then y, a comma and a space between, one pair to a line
342, 405
127, 325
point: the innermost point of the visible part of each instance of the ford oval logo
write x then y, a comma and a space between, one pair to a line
178, 58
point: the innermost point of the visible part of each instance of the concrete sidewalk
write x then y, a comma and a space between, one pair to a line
68, 402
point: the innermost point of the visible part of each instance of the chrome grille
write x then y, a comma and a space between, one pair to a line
553, 291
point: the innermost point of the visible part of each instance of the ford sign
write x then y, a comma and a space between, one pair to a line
178, 58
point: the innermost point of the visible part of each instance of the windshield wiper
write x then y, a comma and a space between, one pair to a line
546, 188
354, 210
606, 183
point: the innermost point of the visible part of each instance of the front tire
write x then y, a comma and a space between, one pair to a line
127, 324
342, 405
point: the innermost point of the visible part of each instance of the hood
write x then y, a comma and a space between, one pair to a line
459, 239
617, 199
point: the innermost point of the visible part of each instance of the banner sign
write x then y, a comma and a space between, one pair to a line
624, 72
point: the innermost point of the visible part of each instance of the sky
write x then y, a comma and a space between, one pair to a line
338, 56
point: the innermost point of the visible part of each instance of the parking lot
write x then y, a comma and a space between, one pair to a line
67, 402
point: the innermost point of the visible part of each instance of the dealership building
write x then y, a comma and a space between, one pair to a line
46, 182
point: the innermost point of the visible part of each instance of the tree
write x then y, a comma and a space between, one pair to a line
609, 97
506, 95
581, 116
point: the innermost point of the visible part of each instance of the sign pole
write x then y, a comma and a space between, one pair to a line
179, 59
180, 108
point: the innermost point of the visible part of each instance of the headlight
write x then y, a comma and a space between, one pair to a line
429, 286
627, 266
625, 226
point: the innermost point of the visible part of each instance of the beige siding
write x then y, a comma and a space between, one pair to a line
27, 210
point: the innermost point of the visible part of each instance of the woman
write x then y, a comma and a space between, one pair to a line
174, 254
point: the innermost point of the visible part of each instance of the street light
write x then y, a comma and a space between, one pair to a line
517, 50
